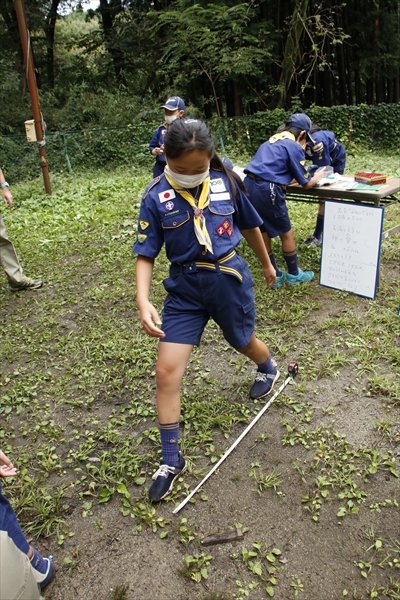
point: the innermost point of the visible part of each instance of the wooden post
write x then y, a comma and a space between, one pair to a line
31, 78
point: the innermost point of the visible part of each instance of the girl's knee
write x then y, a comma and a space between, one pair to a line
166, 373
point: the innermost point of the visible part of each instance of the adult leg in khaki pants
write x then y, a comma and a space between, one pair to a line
17, 579
9, 258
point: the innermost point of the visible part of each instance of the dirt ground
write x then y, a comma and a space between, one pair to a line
325, 525
317, 559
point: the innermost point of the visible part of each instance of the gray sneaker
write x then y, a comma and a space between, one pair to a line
28, 284
313, 241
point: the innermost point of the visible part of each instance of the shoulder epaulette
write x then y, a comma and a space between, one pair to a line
150, 186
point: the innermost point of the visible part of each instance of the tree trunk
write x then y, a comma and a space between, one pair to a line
290, 54
108, 13
49, 29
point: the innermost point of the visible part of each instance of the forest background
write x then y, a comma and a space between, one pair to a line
111, 66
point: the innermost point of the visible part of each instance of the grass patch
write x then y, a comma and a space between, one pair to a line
77, 384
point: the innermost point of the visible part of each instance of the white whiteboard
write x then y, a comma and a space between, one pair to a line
351, 247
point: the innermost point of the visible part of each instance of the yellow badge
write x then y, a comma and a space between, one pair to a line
141, 238
144, 225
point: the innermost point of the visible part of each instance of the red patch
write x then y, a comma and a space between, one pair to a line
225, 227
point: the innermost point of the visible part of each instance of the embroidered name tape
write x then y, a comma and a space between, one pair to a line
216, 197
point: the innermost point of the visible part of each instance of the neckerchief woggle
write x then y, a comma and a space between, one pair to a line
200, 228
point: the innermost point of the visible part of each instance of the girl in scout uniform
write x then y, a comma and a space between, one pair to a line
199, 210
276, 163
174, 108
325, 150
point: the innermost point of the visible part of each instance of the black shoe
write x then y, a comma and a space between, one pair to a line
164, 479
28, 284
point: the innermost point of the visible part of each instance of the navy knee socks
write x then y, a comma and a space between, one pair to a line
267, 366
291, 261
169, 443
319, 226
273, 263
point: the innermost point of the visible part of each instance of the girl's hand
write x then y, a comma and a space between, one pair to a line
6, 468
150, 319
269, 275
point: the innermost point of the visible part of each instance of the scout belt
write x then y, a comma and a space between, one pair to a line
220, 265
252, 176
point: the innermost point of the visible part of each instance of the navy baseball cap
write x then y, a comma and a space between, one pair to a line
303, 122
174, 103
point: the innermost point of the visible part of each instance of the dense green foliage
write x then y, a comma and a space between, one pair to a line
367, 127
225, 58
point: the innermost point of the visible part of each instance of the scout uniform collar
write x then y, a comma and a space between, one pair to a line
284, 135
200, 228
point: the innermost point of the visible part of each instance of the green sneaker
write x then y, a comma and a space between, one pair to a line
301, 277
280, 280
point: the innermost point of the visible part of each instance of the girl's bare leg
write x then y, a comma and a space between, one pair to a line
256, 350
171, 365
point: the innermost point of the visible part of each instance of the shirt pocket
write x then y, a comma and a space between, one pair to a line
222, 208
175, 221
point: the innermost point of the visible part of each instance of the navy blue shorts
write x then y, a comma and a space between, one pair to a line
269, 200
195, 295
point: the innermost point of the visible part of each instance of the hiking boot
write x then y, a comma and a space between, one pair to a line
263, 384
280, 280
313, 241
301, 277
28, 284
164, 479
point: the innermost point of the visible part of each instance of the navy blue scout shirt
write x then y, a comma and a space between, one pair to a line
279, 160
333, 152
158, 140
166, 217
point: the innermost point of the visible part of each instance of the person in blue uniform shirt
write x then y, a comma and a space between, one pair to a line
199, 210
278, 162
326, 150
174, 108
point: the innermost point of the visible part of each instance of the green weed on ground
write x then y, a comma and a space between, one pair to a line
77, 383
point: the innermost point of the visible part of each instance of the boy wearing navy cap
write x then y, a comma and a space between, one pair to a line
174, 108
276, 163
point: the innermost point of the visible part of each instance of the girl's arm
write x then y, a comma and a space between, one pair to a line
148, 314
254, 239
